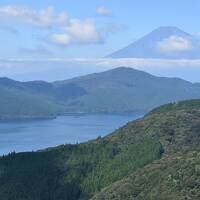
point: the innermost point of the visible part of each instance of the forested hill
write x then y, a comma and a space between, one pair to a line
156, 157
34, 99
118, 90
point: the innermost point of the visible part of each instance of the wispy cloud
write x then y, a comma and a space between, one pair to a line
103, 11
187, 69
197, 35
66, 30
42, 18
174, 44
85, 32
8, 29
113, 27
112, 62
38, 50
77, 32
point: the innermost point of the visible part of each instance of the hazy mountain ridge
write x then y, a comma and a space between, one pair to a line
112, 86
118, 90
34, 99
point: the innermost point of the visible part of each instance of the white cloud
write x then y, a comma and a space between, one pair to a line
197, 35
112, 28
174, 44
60, 39
77, 32
138, 63
103, 11
65, 30
43, 18
142, 63
83, 31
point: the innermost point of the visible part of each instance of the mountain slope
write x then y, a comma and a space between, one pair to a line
118, 90
33, 100
127, 90
129, 155
163, 42
16, 104
173, 177
176, 175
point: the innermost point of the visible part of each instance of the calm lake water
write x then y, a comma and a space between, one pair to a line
39, 134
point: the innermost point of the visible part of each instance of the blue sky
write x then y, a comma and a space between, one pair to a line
46, 29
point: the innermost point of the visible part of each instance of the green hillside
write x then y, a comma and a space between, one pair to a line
120, 90
156, 157
174, 177
33, 100
15, 104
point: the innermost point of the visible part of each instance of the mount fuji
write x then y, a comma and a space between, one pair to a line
162, 43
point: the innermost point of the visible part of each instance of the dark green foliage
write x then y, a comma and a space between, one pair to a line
28, 176
191, 105
174, 177
73, 171
121, 166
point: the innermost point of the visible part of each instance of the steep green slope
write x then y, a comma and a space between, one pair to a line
174, 177
73, 171
130, 155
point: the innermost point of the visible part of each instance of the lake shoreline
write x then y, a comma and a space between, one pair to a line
33, 135
28, 119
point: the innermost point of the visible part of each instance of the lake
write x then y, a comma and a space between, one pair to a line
39, 134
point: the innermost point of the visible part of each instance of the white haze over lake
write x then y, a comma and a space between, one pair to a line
60, 68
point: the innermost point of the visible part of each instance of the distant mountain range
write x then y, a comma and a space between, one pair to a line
163, 43
120, 90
